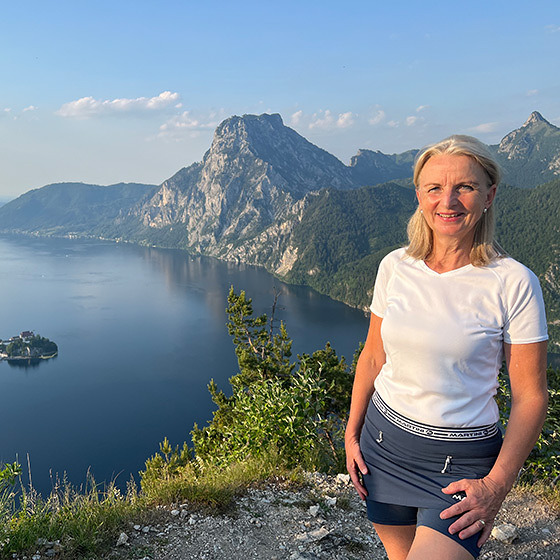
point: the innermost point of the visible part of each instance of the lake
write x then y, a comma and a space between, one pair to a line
140, 333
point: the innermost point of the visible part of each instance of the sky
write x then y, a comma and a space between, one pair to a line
131, 91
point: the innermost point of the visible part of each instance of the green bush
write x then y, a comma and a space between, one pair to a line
292, 409
543, 463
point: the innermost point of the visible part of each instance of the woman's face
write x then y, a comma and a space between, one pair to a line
453, 192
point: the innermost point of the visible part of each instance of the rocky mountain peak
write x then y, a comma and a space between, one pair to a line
240, 132
530, 154
533, 135
535, 118
297, 165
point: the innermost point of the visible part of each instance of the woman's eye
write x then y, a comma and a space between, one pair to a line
433, 189
466, 187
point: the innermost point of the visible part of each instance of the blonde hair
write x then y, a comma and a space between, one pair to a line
420, 235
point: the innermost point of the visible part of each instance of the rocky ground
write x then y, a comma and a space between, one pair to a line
324, 521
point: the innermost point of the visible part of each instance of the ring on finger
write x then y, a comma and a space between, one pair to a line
482, 523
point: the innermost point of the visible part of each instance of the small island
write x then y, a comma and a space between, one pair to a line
27, 346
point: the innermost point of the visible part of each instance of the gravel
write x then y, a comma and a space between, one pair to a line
325, 520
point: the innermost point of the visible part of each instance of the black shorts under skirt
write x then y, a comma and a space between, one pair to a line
409, 469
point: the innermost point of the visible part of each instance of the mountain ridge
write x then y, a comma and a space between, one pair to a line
266, 196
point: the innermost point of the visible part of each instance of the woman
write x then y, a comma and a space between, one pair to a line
422, 444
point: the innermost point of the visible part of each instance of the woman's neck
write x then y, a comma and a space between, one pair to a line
445, 258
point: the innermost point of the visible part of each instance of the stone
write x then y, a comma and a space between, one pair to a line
314, 511
505, 533
342, 478
122, 540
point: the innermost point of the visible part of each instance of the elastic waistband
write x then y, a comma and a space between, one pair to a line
432, 432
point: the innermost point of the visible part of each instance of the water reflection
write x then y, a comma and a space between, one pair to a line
141, 332
31, 363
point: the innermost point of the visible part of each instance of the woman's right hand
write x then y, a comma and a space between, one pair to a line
369, 364
356, 466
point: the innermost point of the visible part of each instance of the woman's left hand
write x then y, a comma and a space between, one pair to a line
483, 500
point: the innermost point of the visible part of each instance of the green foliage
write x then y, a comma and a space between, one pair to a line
16, 348
85, 522
266, 416
527, 227
343, 235
207, 486
543, 464
261, 354
36, 346
292, 410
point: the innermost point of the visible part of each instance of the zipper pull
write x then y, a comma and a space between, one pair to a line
447, 463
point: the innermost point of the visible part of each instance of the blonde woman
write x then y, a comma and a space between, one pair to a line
422, 441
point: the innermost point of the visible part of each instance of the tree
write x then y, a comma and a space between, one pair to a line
293, 409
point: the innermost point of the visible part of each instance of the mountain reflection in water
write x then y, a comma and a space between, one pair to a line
140, 333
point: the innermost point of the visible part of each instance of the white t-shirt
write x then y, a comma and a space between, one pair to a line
443, 335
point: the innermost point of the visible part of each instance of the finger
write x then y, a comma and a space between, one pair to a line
361, 464
360, 488
474, 528
457, 486
454, 510
485, 535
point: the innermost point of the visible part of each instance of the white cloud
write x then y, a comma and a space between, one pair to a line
421, 108
378, 117
411, 121
553, 28
345, 120
90, 107
393, 124
30, 108
485, 128
532, 92
325, 120
178, 124
295, 119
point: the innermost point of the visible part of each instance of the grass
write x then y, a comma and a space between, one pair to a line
86, 523
544, 491
82, 523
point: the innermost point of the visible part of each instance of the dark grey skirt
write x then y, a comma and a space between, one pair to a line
410, 462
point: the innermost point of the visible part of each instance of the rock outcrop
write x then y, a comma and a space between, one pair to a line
244, 199
530, 155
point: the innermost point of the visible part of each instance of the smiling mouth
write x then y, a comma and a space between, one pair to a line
455, 215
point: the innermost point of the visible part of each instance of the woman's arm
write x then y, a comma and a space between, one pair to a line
526, 365
369, 364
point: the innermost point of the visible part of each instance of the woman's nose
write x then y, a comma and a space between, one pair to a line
449, 197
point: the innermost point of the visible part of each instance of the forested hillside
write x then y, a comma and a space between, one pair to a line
343, 236
264, 195
528, 227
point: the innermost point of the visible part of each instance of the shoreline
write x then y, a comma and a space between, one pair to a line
28, 358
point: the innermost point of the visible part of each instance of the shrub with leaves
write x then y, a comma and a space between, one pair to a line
294, 410
543, 462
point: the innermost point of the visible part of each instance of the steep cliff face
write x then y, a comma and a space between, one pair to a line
242, 201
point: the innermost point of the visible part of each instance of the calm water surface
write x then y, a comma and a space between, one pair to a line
140, 333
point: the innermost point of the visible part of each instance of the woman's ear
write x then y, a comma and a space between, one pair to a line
490, 195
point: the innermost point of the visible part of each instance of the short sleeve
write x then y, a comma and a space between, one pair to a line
384, 273
525, 320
